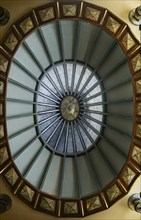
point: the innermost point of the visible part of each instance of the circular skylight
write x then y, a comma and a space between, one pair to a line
70, 116
66, 109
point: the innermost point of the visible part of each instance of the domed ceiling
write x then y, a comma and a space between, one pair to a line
70, 108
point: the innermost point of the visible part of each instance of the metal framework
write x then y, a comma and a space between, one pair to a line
59, 134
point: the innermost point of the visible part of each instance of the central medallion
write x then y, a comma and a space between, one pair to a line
69, 108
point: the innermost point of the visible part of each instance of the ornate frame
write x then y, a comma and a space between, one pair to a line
131, 170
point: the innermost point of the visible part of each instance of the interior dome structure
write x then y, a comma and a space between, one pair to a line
70, 108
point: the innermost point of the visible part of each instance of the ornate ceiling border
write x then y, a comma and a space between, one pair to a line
131, 170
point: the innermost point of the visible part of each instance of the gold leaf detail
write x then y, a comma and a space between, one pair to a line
93, 203
92, 14
136, 154
46, 14
112, 25
138, 131
113, 193
1, 131
139, 108
11, 176
138, 86
48, 204
26, 25
70, 207
69, 10
136, 62
3, 63
11, 42
128, 41
27, 193
128, 175
3, 155
1, 87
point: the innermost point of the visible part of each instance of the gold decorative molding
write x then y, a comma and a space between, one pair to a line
112, 25
136, 62
128, 41
69, 10
70, 208
48, 204
11, 42
138, 131
128, 175
11, 176
1, 131
26, 25
93, 203
92, 14
138, 86
3, 63
3, 155
27, 193
113, 192
47, 14
136, 154
139, 108
1, 87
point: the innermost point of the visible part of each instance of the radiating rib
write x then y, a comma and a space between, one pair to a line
50, 125
85, 84
47, 111
89, 125
80, 79
45, 171
26, 70
48, 97
104, 91
54, 85
47, 119
52, 62
73, 139
63, 56
75, 54
108, 102
105, 125
54, 131
59, 137
86, 132
105, 76
25, 147
22, 86
50, 90
66, 139
46, 104
91, 48
20, 116
80, 137
107, 114
114, 43
27, 170
34, 57
66, 77
20, 101
107, 162
22, 131
62, 176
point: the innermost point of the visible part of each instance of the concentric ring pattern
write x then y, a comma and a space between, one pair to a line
70, 133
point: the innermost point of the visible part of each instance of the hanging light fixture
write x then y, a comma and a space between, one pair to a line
4, 16
134, 202
5, 203
135, 16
